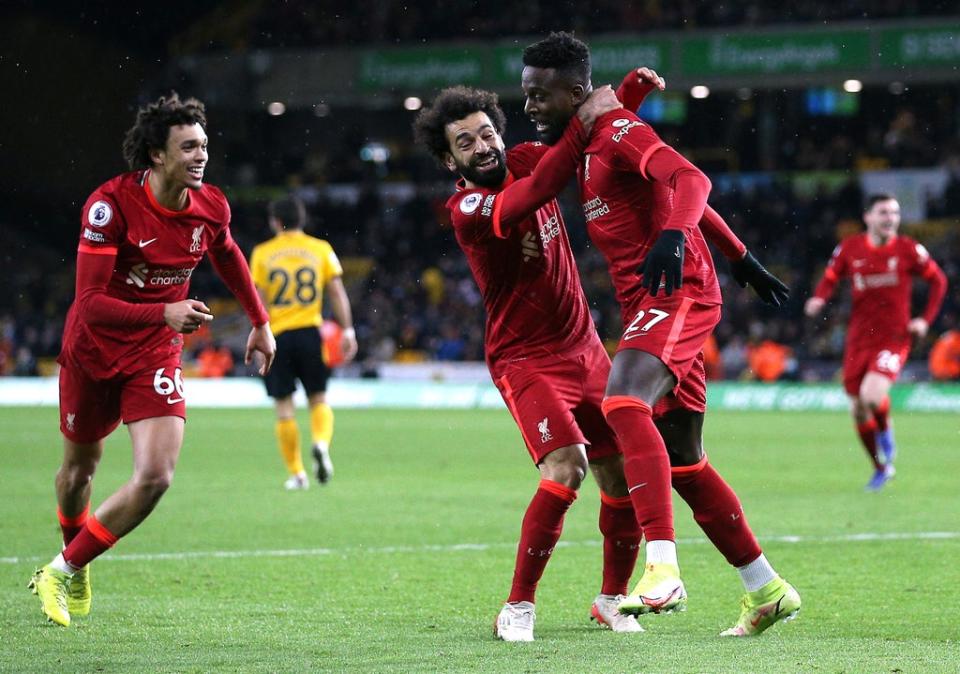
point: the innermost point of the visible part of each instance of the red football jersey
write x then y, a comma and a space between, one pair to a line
625, 211
528, 279
881, 285
156, 252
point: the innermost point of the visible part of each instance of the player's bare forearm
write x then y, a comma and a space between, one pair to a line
340, 305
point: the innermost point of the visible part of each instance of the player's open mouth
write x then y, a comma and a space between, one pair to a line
196, 172
488, 163
541, 127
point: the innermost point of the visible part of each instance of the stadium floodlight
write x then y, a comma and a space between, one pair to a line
276, 108
853, 86
412, 103
700, 91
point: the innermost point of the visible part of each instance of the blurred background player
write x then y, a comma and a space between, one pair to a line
541, 345
291, 271
881, 265
643, 204
142, 235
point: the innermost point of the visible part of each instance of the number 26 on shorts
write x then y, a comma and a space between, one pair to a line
638, 327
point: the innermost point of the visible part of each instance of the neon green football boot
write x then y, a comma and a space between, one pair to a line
660, 590
80, 593
52, 587
777, 600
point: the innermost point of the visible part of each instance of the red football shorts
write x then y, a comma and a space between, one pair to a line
674, 329
90, 409
555, 401
887, 359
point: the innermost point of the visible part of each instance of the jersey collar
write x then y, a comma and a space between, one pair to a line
156, 204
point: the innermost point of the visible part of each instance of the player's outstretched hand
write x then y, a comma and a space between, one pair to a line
768, 287
918, 327
813, 306
186, 316
261, 339
664, 261
600, 101
646, 79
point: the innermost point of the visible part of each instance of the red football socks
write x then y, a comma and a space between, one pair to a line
717, 510
71, 526
539, 534
92, 541
621, 542
882, 415
868, 436
645, 464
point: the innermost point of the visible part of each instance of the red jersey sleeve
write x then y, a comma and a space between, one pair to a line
836, 270
632, 91
522, 159
102, 230
102, 227
926, 268
636, 148
479, 214
231, 265
718, 232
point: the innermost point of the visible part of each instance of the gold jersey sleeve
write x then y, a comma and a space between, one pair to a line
291, 270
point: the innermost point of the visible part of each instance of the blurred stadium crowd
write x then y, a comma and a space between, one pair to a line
790, 192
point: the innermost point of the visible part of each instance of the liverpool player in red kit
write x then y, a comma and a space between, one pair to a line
643, 203
880, 265
541, 345
141, 236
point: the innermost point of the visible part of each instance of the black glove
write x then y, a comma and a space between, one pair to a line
768, 287
665, 260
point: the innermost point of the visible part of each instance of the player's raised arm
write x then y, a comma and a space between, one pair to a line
637, 84
828, 283
522, 197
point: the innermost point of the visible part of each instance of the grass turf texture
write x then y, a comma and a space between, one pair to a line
373, 580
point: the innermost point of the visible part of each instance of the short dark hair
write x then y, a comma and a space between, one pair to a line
152, 127
874, 198
289, 210
563, 52
451, 104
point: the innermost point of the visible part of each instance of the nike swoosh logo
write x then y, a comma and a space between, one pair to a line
143, 243
677, 252
172, 401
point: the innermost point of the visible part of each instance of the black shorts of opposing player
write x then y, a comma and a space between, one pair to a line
299, 356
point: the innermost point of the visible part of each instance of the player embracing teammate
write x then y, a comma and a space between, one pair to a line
646, 206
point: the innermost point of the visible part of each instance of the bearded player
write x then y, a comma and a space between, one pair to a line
881, 265
643, 203
541, 345
141, 236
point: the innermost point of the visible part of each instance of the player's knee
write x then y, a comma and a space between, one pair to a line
74, 475
609, 476
153, 484
567, 466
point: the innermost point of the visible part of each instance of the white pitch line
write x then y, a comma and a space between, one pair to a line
459, 547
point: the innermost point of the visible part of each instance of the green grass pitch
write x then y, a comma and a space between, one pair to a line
401, 563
